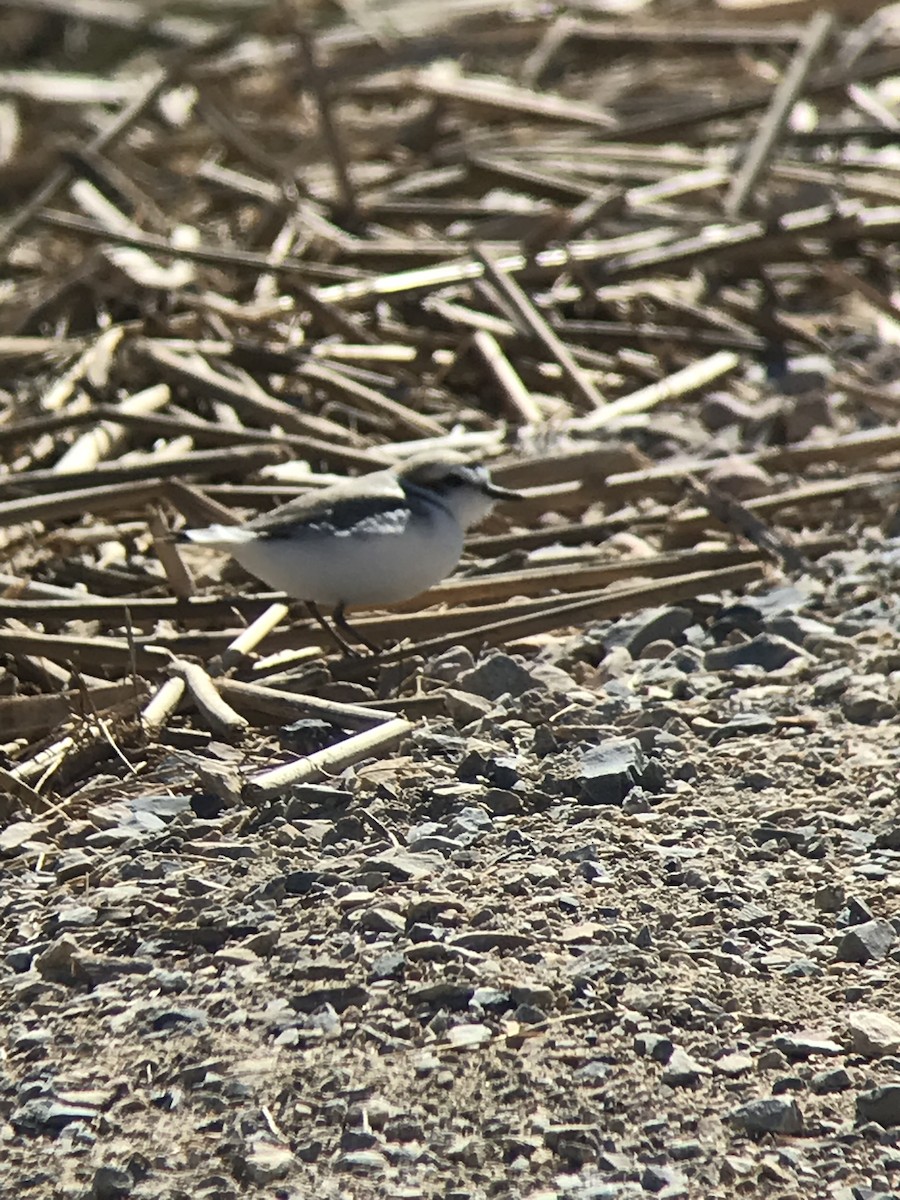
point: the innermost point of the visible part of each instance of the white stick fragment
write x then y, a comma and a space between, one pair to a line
689, 379
96, 444
247, 641
163, 704
325, 763
219, 716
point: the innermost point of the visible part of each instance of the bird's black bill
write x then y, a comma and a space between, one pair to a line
496, 492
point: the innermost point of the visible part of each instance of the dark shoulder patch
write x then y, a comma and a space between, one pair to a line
349, 515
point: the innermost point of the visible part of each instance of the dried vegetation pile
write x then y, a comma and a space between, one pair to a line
241, 253
646, 265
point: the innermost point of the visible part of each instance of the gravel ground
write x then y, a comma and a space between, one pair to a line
623, 925
616, 917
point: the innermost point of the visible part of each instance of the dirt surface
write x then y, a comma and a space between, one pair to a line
588, 888
485, 966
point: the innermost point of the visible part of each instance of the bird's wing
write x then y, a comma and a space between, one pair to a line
337, 508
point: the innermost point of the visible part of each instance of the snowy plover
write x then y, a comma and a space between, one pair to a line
374, 540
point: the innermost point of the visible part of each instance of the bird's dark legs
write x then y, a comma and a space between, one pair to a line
344, 625
344, 646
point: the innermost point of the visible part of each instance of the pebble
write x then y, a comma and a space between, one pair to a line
636, 633
361, 1160
659, 1179
881, 1104
857, 912
111, 1183
529, 1014
465, 707
770, 1114
267, 1162
573, 1142
787, 1083
45, 1115
873, 1034
681, 1070
829, 898
497, 675
450, 664
807, 632
536, 994
390, 965
654, 1045
609, 771
310, 734
832, 684
382, 920
866, 705
474, 1035
742, 479
862, 943
734, 1064
592, 1074
835, 1080
500, 770
747, 724
60, 961
767, 651
803, 1046
719, 410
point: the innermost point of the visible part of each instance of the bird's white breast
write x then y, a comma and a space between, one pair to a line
356, 567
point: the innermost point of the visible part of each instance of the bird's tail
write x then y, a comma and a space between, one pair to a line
218, 537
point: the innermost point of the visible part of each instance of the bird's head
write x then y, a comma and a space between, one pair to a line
465, 488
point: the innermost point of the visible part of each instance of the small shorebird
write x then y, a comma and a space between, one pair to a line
371, 541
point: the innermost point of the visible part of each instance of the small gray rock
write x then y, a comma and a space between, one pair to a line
803, 1046
681, 1070
500, 770
60, 961
450, 665
857, 912
658, 624
866, 705
654, 1045
659, 1178
734, 1064
873, 1034
746, 724
770, 1114
804, 631
361, 1160
721, 409
881, 1104
829, 897
871, 940
739, 478
609, 771
111, 1183
832, 684
532, 993
498, 675
267, 1162
823, 1083
766, 651
592, 1073
465, 707
390, 965
529, 1014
